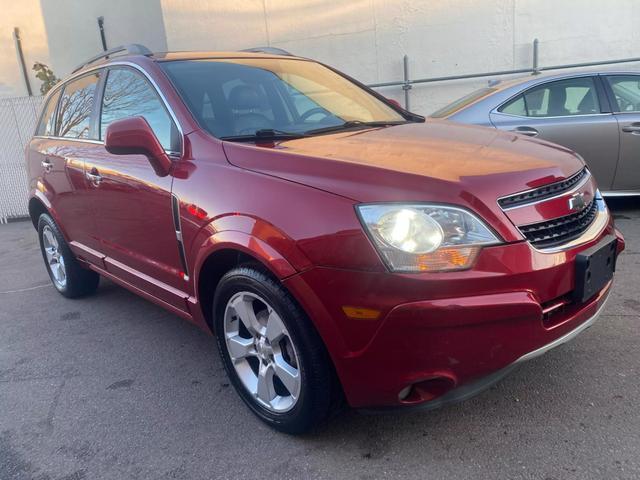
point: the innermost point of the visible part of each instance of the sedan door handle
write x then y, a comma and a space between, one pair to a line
633, 128
47, 165
94, 177
528, 131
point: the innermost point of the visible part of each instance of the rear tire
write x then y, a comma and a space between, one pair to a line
66, 273
271, 351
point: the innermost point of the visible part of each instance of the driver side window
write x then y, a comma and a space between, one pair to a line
128, 94
626, 90
301, 102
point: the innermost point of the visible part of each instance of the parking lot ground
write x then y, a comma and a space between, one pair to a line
113, 387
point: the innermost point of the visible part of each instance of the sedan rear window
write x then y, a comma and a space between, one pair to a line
462, 102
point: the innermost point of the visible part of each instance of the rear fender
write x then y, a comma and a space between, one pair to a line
39, 194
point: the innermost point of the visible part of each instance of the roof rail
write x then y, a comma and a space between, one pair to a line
132, 49
269, 50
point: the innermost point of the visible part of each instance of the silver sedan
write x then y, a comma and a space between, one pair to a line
595, 114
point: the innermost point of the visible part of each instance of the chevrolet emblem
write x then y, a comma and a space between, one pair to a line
577, 202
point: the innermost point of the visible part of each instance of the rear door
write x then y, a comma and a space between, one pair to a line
40, 161
62, 141
624, 91
572, 112
133, 205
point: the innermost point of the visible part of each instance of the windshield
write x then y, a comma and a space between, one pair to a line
236, 97
462, 102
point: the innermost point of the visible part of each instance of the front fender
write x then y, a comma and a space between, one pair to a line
245, 243
252, 236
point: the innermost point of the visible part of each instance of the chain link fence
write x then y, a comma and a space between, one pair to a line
18, 117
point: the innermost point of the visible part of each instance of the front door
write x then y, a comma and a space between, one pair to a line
625, 92
131, 204
568, 112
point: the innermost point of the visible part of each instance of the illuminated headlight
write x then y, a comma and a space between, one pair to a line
425, 238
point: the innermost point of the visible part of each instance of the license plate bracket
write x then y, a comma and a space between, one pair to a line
594, 268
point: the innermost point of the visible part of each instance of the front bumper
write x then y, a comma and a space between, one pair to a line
441, 337
471, 389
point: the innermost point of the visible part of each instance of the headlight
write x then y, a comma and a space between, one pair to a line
424, 238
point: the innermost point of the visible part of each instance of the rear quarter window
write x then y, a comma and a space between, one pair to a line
47, 125
515, 107
76, 107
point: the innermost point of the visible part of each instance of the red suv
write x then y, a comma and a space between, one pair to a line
339, 246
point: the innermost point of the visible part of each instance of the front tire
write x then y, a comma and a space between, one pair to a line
272, 353
66, 273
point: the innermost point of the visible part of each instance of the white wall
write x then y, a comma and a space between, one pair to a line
368, 38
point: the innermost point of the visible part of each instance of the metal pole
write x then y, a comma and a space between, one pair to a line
407, 83
23, 66
536, 69
102, 35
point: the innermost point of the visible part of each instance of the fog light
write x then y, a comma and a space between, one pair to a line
404, 393
427, 390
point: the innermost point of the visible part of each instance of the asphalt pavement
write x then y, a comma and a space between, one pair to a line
114, 387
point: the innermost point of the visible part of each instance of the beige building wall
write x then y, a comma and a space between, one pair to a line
368, 38
27, 16
364, 38
74, 36
63, 33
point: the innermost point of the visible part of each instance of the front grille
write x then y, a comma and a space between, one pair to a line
541, 193
558, 231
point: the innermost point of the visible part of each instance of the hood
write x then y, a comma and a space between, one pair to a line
434, 161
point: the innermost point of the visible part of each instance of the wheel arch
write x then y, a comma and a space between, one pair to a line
231, 254
226, 250
39, 204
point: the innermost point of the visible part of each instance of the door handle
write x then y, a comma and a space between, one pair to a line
94, 177
528, 131
633, 128
47, 165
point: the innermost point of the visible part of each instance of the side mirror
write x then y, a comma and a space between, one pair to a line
395, 102
134, 136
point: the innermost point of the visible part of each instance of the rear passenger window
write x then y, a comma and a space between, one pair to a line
128, 94
575, 96
515, 107
76, 104
47, 123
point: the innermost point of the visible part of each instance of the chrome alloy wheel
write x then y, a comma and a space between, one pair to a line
54, 257
262, 352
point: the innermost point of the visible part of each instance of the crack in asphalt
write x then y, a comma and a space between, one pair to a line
28, 289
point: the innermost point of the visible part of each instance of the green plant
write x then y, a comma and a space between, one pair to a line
46, 75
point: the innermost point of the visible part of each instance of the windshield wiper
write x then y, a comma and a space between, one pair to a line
356, 123
264, 134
